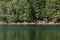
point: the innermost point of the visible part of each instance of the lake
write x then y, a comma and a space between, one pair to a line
29, 32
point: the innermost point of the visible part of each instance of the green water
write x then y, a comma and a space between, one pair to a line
29, 32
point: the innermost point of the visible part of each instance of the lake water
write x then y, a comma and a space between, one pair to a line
29, 32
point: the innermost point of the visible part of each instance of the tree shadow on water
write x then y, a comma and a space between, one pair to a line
34, 35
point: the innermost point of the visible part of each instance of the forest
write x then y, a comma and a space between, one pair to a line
29, 10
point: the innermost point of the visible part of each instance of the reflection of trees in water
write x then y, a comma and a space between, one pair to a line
32, 35
36, 35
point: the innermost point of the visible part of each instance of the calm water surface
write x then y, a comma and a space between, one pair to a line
29, 32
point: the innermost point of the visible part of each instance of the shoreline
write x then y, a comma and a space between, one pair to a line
25, 23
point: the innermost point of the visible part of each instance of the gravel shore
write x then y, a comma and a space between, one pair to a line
26, 23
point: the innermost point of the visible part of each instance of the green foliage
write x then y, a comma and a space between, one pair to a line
13, 10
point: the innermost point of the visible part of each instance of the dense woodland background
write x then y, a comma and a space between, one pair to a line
29, 10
